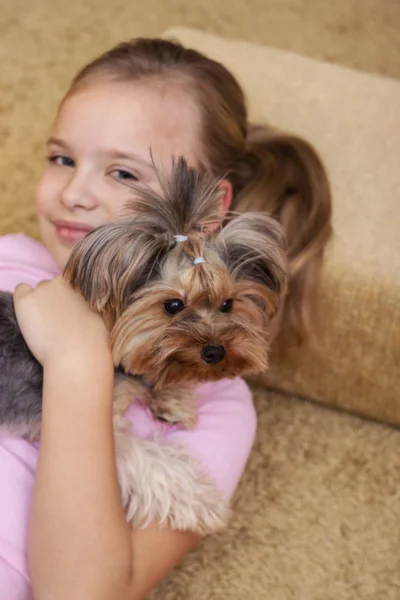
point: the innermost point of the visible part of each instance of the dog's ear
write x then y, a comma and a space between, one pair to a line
110, 263
253, 245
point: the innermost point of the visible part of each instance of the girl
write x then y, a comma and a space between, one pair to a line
141, 94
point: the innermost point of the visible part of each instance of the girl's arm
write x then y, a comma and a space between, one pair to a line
80, 545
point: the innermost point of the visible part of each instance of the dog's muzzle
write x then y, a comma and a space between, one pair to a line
213, 354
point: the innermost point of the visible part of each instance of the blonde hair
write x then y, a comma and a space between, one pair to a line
269, 170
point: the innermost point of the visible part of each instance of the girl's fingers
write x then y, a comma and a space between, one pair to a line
21, 290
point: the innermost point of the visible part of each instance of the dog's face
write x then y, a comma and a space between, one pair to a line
173, 318
173, 321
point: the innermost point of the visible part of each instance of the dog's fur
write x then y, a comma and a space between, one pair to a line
129, 271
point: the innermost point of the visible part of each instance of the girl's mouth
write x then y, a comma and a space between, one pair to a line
71, 231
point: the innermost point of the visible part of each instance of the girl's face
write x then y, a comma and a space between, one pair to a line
102, 137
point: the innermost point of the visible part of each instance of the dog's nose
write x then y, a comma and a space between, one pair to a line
213, 354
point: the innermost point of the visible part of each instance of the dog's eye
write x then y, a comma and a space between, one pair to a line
172, 307
226, 306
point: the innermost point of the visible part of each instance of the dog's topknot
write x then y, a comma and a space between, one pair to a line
110, 263
187, 203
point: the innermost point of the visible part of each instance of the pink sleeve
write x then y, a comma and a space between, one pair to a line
21, 260
225, 431
12, 585
18, 459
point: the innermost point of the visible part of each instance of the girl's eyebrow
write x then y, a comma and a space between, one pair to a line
118, 155
52, 141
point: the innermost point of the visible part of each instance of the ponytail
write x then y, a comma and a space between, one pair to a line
282, 174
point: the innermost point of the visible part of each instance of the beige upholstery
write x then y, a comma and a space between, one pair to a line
354, 121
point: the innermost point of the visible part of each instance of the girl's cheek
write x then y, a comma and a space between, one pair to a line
46, 193
115, 207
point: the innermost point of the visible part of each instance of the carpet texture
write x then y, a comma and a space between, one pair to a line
317, 514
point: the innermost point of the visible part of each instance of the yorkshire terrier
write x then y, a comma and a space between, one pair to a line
183, 306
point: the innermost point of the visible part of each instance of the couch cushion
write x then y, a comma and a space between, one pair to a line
353, 119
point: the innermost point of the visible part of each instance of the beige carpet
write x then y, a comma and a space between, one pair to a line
318, 512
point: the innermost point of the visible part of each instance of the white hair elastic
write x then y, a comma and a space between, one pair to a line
199, 260
180, 238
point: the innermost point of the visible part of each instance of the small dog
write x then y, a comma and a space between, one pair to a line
182, 306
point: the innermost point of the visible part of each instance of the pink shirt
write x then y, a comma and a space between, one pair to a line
222, 439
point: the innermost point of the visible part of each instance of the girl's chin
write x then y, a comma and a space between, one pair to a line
59, 251
60, 256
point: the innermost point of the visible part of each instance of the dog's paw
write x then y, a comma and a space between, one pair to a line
160, 482
174, 405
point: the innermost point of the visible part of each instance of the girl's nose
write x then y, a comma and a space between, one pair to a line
78, 193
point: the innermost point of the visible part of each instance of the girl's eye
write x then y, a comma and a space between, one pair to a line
123, 175
61, 161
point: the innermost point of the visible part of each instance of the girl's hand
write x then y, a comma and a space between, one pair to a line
58, 325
